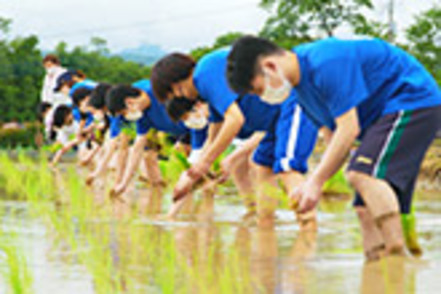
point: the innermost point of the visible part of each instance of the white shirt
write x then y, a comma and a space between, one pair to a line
48, 120
49, 83
67, 133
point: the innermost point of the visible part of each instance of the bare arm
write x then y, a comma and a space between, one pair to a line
229, 163
109, 150
226, 132
123, 154
306, 198
250, 144
327, 134
63, 150
81, 126
135, 157
340, 144
233, 122
89, 128
213, 130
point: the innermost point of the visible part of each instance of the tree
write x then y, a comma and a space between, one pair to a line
21, 71
5, 24
424, 40
99, 45
221, 41
20, 78
99, 65
305, 20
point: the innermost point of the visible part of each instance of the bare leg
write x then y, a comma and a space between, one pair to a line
382, 203
266, 200
153, 202
242, 177
264, 261
373, 243
206, 208
179, 205
305, 245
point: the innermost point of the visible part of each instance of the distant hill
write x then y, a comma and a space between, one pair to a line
144, 54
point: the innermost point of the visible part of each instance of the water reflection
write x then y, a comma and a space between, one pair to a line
390, 275
277, 260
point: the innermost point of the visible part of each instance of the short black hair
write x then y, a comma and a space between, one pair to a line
80, 94
64, 79
178, 107
116, 97
41, 109
243, 60
170, 69
98, 96
60, 114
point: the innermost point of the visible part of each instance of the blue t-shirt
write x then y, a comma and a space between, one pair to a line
88, 84
155, 116
78, 117
198, 138
116, 124
372, 75
211, 82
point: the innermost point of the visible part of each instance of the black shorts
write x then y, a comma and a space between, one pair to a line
393, 149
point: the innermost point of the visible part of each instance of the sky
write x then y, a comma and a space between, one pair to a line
171, 24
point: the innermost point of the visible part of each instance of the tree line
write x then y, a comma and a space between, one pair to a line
290, 23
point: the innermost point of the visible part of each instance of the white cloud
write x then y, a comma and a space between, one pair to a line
172, 24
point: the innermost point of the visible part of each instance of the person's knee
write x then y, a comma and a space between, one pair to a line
364, 216
356, 179
239, 169
260, 169
362, 212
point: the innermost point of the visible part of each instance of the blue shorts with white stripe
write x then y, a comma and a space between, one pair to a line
293, 141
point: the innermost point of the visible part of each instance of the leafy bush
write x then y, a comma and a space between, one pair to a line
22, 137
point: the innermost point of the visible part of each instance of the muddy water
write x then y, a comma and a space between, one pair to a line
281, 260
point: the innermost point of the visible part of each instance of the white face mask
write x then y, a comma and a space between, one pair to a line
51, 70
98, 117
100, 120
273, 95
196, 122
133, 115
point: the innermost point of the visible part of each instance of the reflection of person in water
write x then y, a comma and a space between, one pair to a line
265, 258
388, 276
266, 262
200, 246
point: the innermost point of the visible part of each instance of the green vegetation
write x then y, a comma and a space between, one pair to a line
16, 274
21, 71
291, 22
424, 37
109, 248
23, 137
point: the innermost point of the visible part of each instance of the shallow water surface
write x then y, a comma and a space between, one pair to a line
279, 261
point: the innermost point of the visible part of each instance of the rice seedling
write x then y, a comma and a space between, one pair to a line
120, 255
15, 271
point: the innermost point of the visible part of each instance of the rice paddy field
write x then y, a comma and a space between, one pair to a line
59, 236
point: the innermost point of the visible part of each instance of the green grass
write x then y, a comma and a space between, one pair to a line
121, 255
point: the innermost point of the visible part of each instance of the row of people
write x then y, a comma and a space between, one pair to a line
277, 101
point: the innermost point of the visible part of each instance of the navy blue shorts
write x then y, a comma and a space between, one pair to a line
290, 146
393, 149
